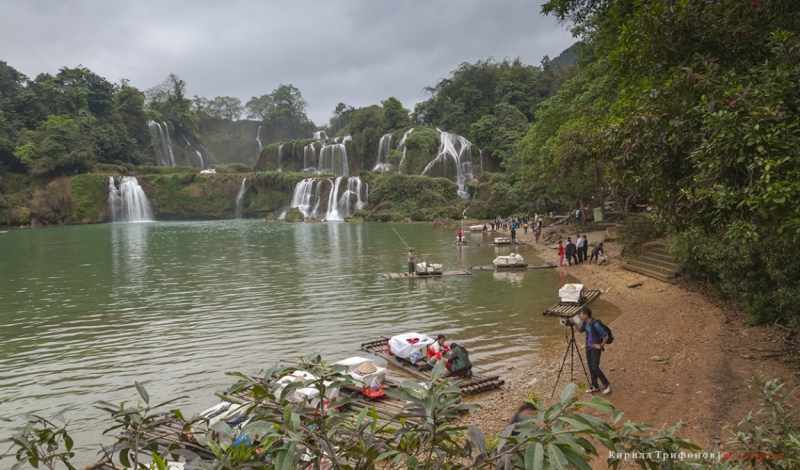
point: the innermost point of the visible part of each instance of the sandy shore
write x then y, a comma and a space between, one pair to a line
703, 383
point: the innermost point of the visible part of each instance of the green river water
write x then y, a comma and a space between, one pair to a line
87, 310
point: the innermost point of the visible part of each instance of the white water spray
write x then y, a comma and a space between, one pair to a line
240, 198
402, 147
457, 148
128, 203
384, 146
333, 159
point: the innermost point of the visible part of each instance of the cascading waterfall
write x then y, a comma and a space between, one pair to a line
169, 145
455, 147
240, 198
196, 152
384, 145
128, 203
309, 154
320, 135
306, 197
353, 190
200, 157
402, 147
333, 159
280, 153
161, 144
258, 141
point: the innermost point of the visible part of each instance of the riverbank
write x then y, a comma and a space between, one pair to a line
710, 355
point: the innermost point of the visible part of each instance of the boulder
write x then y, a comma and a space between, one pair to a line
634, 284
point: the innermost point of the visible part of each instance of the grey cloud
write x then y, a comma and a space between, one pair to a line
356, 51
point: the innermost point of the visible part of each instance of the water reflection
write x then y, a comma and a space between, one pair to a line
515, 277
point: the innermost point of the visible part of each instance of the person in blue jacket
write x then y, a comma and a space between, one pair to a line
596, 338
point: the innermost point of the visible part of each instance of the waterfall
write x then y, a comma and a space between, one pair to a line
240, 198
309, 154
347, 139
258, 141
301, 197
197, 152
402, 146
280, 152
333, 201
162, 144
384, 145
169, 145
200, 157
320, 135
346, 209
457, 148
128, 203
333, 159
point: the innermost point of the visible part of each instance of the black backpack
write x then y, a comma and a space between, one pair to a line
608, 330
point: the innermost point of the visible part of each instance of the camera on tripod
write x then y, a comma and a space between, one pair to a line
570, 321
565, 322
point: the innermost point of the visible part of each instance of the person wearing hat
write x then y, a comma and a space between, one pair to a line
436, 350
411, 259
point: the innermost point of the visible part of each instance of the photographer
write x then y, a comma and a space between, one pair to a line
596, 337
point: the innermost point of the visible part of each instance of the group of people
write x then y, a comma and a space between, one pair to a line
456, 357
578, 251
515, 222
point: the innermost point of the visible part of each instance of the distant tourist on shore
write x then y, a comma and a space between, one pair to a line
560, 253
537, 233
579, 249
585, 249
513, 234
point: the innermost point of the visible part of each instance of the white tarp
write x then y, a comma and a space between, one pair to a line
510, 260
406, 344
571, 293
310, 394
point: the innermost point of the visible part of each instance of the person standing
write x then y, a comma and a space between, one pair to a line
560, 254
570, 251
596, 337
585, 248
460, 235
513, 234
525, 227
537, 233
579, 249
596, 252
411, 259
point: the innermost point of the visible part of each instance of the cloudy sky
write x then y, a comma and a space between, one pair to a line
354, 51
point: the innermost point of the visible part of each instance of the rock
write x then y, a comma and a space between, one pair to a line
602, 261
634, 283
661, 359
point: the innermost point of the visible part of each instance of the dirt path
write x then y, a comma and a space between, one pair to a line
704, 381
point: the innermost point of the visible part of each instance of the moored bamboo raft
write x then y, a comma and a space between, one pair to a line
518, 242
460, 272
570, 309
422, 370
527, 266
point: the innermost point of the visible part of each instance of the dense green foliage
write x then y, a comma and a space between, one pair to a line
693, 107
426, 434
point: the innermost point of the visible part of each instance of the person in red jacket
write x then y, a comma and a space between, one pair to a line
459, 234
560, 254
437, 350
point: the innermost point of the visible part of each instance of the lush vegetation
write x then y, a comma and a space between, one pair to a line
426, 434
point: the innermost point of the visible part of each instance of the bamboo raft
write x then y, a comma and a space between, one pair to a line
460, 272
503, 244
527, 266
422, 370
570, 309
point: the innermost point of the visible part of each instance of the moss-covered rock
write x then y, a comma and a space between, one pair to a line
294, 215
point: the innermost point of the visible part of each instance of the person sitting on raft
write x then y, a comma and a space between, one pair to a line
436, 350
458, 364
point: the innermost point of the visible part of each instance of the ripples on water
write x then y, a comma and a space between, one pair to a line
86, 310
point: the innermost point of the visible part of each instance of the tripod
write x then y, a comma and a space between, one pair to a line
572, 348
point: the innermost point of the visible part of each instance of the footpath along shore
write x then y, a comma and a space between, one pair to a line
706, 356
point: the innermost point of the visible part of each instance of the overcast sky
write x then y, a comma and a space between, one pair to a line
357, 51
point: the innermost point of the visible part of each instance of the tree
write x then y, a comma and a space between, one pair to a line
225, 107
259, 107
395, 116
287, 114
340, 119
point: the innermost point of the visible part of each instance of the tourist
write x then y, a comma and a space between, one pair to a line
579, 249
570, 252
525, 227
411, 259
539, 223
437, 350
577, 215
585, 248
537, 233
513, 234
492, 224
458, 364
560, 254
596, 252
596, 337
460, 235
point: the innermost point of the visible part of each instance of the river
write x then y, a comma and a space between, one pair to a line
87, 310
